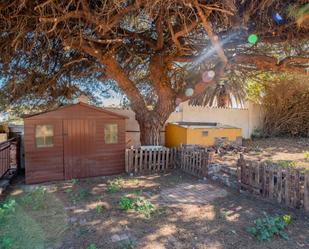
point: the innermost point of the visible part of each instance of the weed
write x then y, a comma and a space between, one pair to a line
74, 181
6, 243
92, 246
144, 206
114, 185
137, 204
265, 228
80, 195
126, 244
100, 208
68, 190
126, 203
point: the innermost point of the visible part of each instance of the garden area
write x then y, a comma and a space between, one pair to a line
168, 210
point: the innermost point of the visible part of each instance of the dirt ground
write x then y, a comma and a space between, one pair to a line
67, 217
274, 149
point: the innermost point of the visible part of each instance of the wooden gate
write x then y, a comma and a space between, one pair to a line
79, 144
194, 160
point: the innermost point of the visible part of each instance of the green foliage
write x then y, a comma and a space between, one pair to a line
144, 206
114, 185
75, 181
35, 198
68, 190
126, 244
80, 195
126, 203
283, 163
265, 228
92, 246
100, 208
138, 204
7, 208
6, 243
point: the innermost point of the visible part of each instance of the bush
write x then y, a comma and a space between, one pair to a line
265, 228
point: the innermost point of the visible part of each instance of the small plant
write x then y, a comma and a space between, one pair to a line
7, 208
74, 181
92, 246
80, 195
144, 206
126, 244
137, 204
265, 228
100, 208
83, 193
126, 203
114, 185
6, 243
68, 190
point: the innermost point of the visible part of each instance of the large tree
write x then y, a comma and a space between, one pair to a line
155, 50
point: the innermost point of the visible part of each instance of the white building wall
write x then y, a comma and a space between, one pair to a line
247, 119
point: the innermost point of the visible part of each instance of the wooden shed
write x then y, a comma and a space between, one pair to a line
73, 141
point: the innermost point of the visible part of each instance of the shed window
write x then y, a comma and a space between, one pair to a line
111, 133
44, 136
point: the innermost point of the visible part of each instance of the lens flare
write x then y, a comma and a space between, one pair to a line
253, 38
208, 76
189, 92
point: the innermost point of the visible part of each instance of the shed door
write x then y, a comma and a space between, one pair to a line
79, 145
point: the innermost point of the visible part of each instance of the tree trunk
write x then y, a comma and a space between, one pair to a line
151, 124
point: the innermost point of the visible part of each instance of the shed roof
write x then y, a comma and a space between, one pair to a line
79, 103
199, 125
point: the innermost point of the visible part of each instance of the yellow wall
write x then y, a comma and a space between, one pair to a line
176, 135
195, 135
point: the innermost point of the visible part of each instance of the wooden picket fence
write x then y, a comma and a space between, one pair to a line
194, 160
289, 186
147, 160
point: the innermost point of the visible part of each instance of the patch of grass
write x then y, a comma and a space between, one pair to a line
92, 246
114, 185
283, 163
36, 198
6, 243
126, 244
100, 208
265, 228
306, 154
23, 226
